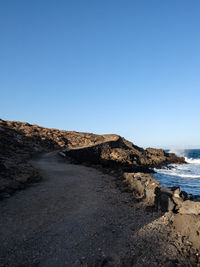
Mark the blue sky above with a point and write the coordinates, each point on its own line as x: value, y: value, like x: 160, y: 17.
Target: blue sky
x: 104, y: 66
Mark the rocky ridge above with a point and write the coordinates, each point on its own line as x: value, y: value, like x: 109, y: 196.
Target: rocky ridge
x: 118, y: 153
x: 131, y: 165
x: 20, y: 141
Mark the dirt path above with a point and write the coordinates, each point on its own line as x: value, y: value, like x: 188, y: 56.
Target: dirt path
x: 78, y: 217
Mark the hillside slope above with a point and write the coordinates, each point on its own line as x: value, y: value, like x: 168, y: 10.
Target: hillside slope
x: 20, y: 141
x: 122, y: 154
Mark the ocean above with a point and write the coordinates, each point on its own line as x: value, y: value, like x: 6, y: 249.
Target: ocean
x: 187, y: 176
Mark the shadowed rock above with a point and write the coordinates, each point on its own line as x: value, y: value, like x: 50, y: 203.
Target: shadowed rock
x: 144, y: 186
x: 122, y: 154
x: 20, y: 141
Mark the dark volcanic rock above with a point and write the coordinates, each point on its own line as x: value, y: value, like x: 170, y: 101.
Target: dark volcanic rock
x: 167, y: 199
x: 120, y: 153
x: 20, y: 141
x: 159, y: 158
x: 144, y: 186
x: 115, y: 153
x: 186, y: 212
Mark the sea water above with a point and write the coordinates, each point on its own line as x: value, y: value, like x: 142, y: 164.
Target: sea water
x: 187, y: 176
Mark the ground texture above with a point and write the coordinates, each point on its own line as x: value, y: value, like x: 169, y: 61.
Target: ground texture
x: 77, y: 216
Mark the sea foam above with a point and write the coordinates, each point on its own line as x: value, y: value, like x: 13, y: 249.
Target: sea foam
x: 187, y: 176
x: 192, y: 161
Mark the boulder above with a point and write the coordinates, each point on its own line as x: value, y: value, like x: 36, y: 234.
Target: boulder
x: 189, y: 225
x: 178, y: 202
x: 143, y: 185
x: 165, y: 202
x: 176, y: 192
x: 189, y: 207
x: 170, y: 198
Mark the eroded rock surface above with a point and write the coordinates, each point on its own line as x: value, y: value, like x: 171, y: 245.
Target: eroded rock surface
x: 122, y: 154
x: 144, y: 186
x: 185, y: 213
x: 20, y: 141
x: 189, y: 226
x: 190, y: 207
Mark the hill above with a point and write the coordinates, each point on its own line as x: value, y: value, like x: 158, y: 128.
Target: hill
x: 20, y: 141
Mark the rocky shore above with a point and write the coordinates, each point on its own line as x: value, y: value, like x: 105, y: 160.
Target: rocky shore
x: 129, y: 164
x: 79, y: 216
x: 19, y: 142
x: 148, y: 191
x: 118, y: 153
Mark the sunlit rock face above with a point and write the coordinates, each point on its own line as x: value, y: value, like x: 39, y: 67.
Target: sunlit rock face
x: 120, y: 153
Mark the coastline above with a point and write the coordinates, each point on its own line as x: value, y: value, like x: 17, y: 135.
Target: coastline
x: 86, y: 218
x: 130, y: 165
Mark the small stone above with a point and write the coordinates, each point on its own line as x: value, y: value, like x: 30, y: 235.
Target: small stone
x: 4, y: 195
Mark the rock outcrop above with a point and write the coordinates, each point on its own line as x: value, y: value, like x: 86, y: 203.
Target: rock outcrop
x: 122, y: 154
x: 187, y: 221
x: 159, y: 158
x: 146, y: 188
x: 186, y: 213
x: 20, y: 141
x: 189, y: 207
x: 188, y: 225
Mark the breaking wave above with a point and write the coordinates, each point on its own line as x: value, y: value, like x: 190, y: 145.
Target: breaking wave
x: 175, y: 173
x: 187, y: 176
x: 178, y: 151
x: 192, y: 161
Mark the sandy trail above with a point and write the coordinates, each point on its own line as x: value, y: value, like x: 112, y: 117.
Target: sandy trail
x: 78, y: 215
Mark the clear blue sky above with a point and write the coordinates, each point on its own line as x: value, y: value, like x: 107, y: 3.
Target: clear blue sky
x: 104, y: 66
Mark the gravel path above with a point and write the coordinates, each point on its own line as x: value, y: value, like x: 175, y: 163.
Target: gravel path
x: 77, y: 216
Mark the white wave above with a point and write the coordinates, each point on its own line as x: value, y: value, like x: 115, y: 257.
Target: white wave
x: 188, y: 176
x: 178, y: 151
x: 187, y: 171
x: 182, y: 153
x: 178, y: 174
x: 192, y: 161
